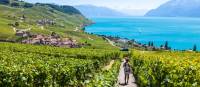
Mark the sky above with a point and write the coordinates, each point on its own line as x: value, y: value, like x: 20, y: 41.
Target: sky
x: 126, y: 6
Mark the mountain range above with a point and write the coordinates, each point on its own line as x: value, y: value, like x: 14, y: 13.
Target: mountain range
x: 177, y: 8
x: 95, y: 11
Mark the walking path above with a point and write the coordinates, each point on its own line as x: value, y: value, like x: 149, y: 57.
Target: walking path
x: 131, y: 82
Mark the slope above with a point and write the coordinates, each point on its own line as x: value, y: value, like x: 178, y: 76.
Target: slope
x: 44, y: 19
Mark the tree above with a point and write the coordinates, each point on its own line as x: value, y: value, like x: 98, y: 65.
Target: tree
x: 53, y: 34
x: 4, y: 1
x: 195, y: 47
x: 166, y: 45
x: 152, y: 44
x: 16, y: 24
x: 149, y: 43
x: 28, y: 5
x: 15, y: 4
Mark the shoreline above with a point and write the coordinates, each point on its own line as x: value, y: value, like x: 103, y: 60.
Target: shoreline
x: 123, y: 43
x: 138, y: 45
x: 140, y: 30
x: 112, y: 40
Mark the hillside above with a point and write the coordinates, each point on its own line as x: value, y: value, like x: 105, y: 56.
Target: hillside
x: 44, y: 19
x: 94, y: 11
x: 177, y: 8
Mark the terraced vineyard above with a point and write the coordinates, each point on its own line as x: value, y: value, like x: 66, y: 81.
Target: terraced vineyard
x: 166, y: 69
x: 38, y: 66
x: 44, y: 19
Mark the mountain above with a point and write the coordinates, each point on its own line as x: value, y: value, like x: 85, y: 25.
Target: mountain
x: 177, y: 8
x: 94, y: 11
x: 28, y: 15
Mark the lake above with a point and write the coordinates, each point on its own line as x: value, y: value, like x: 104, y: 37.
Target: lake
x: 181, y: 33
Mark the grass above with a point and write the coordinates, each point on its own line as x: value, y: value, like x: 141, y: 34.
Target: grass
x: 6, y: 32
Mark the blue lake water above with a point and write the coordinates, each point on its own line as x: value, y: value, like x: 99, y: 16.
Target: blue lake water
x: 181, y: 33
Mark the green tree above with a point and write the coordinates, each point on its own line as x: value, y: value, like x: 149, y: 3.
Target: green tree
x: 166, y: 45
x: 4, y: 1
x: 15, y: 4
x: 28, y: 5
x: 16, y: 24
x: 149, y: 43
x: 195, y: 47
x: 152, y: 44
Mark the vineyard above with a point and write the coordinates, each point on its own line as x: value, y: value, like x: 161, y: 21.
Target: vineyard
x: 23, y: 65
x: 166, y: 69
x: 106, y: 78
x: 38, y: 66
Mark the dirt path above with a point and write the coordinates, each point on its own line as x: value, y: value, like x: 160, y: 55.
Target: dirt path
x: 121, y: 78
x: 109, y: 66
x: 90, y: 38
x: 76, y: 29
x: 14, y: 29
x: 111, y: 42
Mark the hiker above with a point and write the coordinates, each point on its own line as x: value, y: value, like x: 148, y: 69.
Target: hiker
x: 127, y: 70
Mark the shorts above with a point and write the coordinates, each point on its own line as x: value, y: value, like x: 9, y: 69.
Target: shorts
x: 126, y: 73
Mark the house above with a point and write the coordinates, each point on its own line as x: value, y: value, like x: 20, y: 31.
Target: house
x: 22, y: 33
x: 45, y: 22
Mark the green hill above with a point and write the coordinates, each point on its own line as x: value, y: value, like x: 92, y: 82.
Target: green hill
x: 64, y: 20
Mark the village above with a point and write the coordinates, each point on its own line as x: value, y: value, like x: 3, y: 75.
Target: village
x: 39, y: 39
x: 52, y: 40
